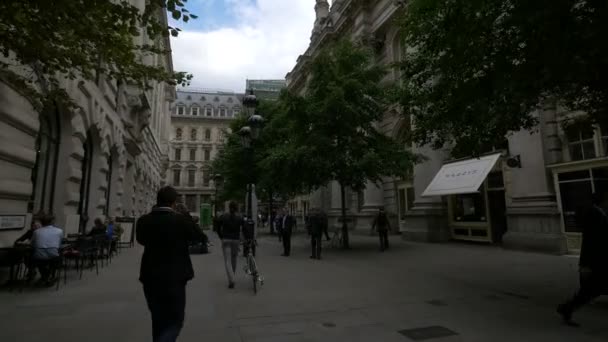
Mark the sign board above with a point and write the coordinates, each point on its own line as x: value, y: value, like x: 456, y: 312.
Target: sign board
x: 128, y: 229
x: 12, y: 222
x: 463, y: 177
x: 205, y: 216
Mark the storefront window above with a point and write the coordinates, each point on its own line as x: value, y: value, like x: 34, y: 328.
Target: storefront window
x: 470, y: 207
x: 581, y: 144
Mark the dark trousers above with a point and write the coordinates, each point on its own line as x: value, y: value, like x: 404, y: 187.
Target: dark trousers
x: 167, y: 304
x: 315, y: 242
x: 591, y: 286
x: 383, y: 234
x: 286, y: 241
x: 47, y: 268
x: 250, y: 244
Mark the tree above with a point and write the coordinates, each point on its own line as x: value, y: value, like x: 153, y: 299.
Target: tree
x: 337, y: 137
x: 474, y: 71
x: 234, y: 161
x: 84, y: 38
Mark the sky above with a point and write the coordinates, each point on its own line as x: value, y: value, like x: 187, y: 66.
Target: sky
x: 235, y: 40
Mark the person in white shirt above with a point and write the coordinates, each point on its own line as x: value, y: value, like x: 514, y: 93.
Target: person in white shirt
x: 46, y: 242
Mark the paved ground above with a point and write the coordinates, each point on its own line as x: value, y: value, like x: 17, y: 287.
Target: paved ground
x: 481, y: 293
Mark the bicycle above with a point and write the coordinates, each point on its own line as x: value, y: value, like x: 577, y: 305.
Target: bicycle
x: 251, y: 267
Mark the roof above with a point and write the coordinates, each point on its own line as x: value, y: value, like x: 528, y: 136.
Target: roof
x: 202, y: 99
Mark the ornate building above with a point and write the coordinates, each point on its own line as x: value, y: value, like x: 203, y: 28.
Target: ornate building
x: 266, y: 89
x: 199, y: 124
x: 522, y: 195
x: 103, y: 159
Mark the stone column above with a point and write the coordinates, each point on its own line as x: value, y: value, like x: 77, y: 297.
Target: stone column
x: 533, y: 218
x: 427, y: 221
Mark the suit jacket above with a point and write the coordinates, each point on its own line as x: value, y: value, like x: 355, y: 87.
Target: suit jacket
x: 290, y: 222
x: 317, y: 223
x: 166, y: 236
x: 594, y: 248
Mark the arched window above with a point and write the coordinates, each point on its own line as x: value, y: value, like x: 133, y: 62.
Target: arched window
x: 207, y: 134
x: 45, y: 169
x: 193, y: 134
x: 208, y: 111
x: 236, y: 111
x: 178, y: 134
x: 222, y: 111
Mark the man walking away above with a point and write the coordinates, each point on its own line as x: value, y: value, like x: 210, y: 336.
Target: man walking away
x: 287, y: 224
x: 383, y: 225
x: 230, y: 226
x: 593, y: 262
x: 317, y: 222
x: 165, y: 265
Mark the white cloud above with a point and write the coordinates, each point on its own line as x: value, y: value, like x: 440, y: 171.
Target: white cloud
x: 269, y: 37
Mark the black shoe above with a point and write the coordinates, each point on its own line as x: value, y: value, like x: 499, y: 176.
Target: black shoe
x: 566, y: 315
x: 313, y: 257
x: 231, y: 285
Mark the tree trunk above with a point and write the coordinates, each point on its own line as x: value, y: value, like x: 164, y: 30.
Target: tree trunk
x: 345, y: 243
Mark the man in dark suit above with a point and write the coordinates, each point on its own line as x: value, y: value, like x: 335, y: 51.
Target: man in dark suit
x: 165, y: 265
x: 287, y: 223
x: 593, y: 262
x: 316, y: 225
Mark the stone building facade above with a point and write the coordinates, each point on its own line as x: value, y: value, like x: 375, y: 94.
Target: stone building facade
x: 199, y: 125
x: 103, y: 159
x: 529, y: 189
x: 266, y: 89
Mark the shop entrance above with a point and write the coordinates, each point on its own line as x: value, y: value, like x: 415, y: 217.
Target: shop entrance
x: 480, y: 216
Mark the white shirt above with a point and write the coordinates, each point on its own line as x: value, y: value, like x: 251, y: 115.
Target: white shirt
x: 46, y: 242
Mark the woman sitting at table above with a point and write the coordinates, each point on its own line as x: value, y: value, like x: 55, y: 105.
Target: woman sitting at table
x: 46, y: 242
x: 99, y: 229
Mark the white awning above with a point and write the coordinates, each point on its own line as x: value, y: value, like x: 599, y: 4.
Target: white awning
x: 463, y: 177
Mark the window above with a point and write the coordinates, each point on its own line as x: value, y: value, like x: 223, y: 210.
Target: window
x: 178, y: 154
x: 206, y: 178
x: 181, y: 110
x: 191, y: 203
x: 406, y: 201
x: 222, y: 112
x: 230, y: 100
x: 604, y: 136
x: 470, y: 207
x: 207, y: 134
x: 192, y: 154
x: 207, y: 155
x: 236, y: 111
x: 191, y: 177
x: 188, y: 97
x: 208, y: 111
x: 177, y: 173
x: 580, y: 143
x: 203, y: 98
x: 194, y: 111
x: 220, y: 136
x: 178, y: 134
x: 216, y: 99
x: 193, y: 134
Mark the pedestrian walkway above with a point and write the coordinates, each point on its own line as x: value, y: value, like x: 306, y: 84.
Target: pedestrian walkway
x: 462, y: 292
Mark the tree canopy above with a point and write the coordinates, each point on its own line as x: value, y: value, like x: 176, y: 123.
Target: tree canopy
x: 474, y: 71
x: 83, y: 38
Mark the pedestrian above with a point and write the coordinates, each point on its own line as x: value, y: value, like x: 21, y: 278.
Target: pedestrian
x: 593, y: 262
x: 229, y: 228
x: 317, y: 223
x: 287, y: 224
x: 165, y: 265
x: 383, y: 225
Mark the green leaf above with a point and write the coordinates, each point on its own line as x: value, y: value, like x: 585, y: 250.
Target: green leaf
x: 174, y: 33
x: 176, y: 14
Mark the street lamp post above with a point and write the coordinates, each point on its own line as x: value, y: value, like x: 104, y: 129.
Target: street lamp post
x: 217, y: 181
x: 249, y: 134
